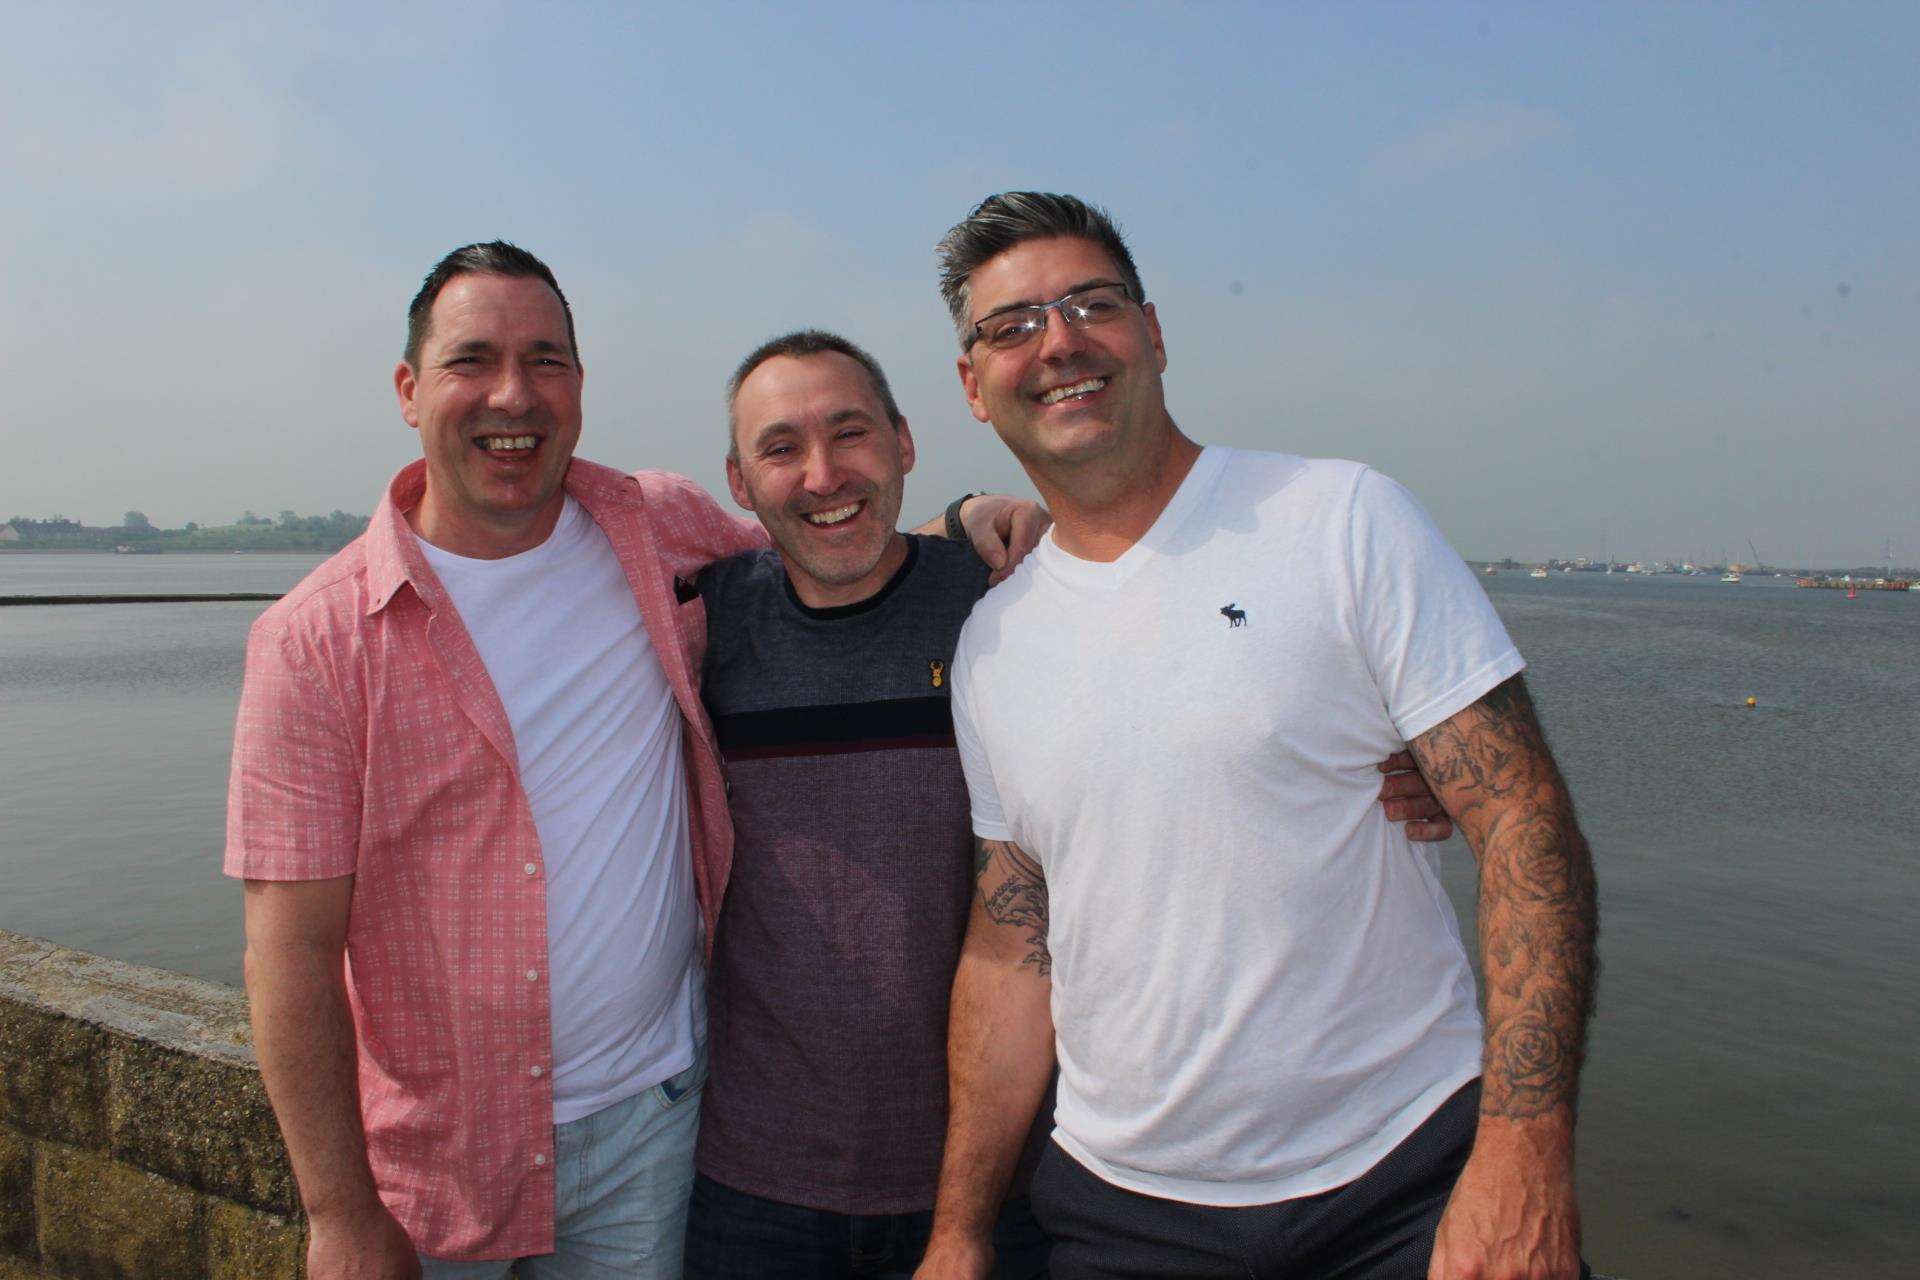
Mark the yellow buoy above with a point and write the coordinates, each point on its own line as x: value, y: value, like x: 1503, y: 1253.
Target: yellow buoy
x: 1753, y: 702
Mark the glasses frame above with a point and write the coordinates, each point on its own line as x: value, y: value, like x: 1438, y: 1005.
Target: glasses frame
x: 1040, y: 309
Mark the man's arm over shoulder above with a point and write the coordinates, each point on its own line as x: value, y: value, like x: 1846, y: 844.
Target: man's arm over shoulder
x: 1513, y: 1210
x: 692, y: 528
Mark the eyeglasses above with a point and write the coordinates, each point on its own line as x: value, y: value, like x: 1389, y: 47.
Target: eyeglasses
x: 1102, y: 304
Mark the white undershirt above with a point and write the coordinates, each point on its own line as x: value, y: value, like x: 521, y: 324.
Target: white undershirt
x: 598, y: 739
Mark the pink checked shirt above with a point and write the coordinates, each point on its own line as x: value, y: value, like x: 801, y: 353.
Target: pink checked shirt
x: 371, y: 743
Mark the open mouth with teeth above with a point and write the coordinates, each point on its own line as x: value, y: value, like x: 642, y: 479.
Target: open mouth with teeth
x: 507, y: 447
x: 834, y: 516
x: 1078, y: 391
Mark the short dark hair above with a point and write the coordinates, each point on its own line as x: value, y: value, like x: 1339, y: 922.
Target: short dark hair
x: 1011, y: 218
x: 809, y: 342
x: 494, y: 258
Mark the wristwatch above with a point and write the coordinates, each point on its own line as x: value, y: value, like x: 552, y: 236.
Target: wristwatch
x: 955, y: 530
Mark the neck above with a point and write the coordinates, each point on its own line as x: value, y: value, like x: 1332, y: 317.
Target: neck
x: 816, y: 594
x: 1101, y: 510
x: 469, y: 534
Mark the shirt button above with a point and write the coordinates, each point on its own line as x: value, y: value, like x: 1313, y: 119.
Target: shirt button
x: 533, y: 975
x: 536, y: 1073
x: 539, y: 1160
x: 531, y: 868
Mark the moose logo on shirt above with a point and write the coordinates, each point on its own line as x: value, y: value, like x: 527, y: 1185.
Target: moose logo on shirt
x: 938, y: 670
x: 1235, y: 617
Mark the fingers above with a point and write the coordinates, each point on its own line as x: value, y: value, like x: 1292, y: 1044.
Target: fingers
x: 1398, y: 762
x: 1429, y: 830
x: 984, y: 518
x: 1420, y: 808
x: 1397, y: 786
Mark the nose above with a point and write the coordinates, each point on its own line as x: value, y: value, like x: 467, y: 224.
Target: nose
x: 1060, y: 340
x: 512, y: 392
x: 821, y: 474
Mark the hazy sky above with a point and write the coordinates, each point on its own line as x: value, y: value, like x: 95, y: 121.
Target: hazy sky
x: 1569, y: 271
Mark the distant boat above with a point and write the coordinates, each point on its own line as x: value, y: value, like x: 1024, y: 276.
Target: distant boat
x: 1730, y: 576
x: 1489, y: 571
x: 1540, y: 572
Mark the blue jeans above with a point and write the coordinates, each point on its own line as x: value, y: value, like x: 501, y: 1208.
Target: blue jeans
x: 621, y: 1180
x: 734, y: 1236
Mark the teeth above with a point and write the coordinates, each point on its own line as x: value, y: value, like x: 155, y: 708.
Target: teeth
x: 495, y: 444
x: 834, y: 516
x: 1058, y: 394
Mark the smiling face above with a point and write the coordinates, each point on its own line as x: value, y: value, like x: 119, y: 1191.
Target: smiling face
x: 1068, y: 397
x: 821, y: 466
x: 496, y: 398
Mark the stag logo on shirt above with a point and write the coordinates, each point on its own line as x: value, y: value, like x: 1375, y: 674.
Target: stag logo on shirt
x: 938, y: 671
x: 1235, y: 617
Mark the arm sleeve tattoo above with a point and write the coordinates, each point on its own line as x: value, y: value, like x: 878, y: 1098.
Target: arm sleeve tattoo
x: 1538, y: 920
x: 1013, y: 893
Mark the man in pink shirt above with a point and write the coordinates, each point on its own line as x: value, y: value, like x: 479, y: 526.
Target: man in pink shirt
x: 483, y: 826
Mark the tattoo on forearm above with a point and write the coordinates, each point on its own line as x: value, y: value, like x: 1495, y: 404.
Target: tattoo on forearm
x: 1538, y: 919
x: 1013, y: 891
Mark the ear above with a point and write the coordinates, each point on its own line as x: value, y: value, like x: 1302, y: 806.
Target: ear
x: 906, y: 445
x: 404, y: 386
x: 1153, y: 334
x: 970, y: 384
x: 737, y: 485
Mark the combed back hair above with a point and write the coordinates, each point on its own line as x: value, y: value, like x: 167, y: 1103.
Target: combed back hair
x: 494, y: 258
x: 1012, y: 218
x: 808, y: 342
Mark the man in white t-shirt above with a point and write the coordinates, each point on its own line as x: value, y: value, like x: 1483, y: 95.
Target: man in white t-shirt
x: 1270, y: 1058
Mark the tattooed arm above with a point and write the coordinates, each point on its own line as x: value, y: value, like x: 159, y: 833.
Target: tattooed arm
x: 999, y: 1057
x: 1513, y: 1210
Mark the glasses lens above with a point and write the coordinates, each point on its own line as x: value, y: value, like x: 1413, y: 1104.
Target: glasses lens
x: 1011, y: 328
x: 1095, y: 306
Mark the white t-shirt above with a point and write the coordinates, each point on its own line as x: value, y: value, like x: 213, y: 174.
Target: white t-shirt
x: 1258, y: 983
x: 598, y: 738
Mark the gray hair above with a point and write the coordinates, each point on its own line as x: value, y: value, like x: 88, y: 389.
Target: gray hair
x: 808, y: 342
x: 1011, y: 218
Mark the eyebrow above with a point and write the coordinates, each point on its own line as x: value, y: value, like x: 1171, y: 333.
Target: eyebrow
x: 478, y: 346
x: 1095, y: 283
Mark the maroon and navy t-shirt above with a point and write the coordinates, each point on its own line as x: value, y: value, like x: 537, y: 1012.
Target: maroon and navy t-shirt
x: 851, y: 883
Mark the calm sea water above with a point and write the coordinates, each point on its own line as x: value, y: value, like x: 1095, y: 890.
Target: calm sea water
x: 1748, y: 1109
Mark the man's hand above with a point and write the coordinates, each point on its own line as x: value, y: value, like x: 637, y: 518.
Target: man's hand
x: 365, y: 1243
x: 1003, y: 530
x: 1405, y: 796
x: 955, y: 1259
x: 1512, y: 1215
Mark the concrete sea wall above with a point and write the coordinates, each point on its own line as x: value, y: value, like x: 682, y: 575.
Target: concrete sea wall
x: 136, y: 1142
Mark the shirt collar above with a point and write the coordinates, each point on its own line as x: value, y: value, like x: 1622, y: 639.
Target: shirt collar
x: 394, y: 558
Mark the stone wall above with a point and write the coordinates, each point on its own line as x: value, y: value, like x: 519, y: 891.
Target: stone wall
x: 136, y: 1142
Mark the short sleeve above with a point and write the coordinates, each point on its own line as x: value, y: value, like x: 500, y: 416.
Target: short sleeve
x: 1431, y: 636
x: 989, y: 819
x: 294, y: 790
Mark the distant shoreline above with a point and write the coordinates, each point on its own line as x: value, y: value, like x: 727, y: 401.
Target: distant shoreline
x: 14, y: 550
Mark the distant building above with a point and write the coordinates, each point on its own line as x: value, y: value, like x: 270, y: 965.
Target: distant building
x: 8, y: 533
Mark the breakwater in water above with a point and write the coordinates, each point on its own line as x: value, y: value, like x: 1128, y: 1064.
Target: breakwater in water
x: 136, y: 1140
